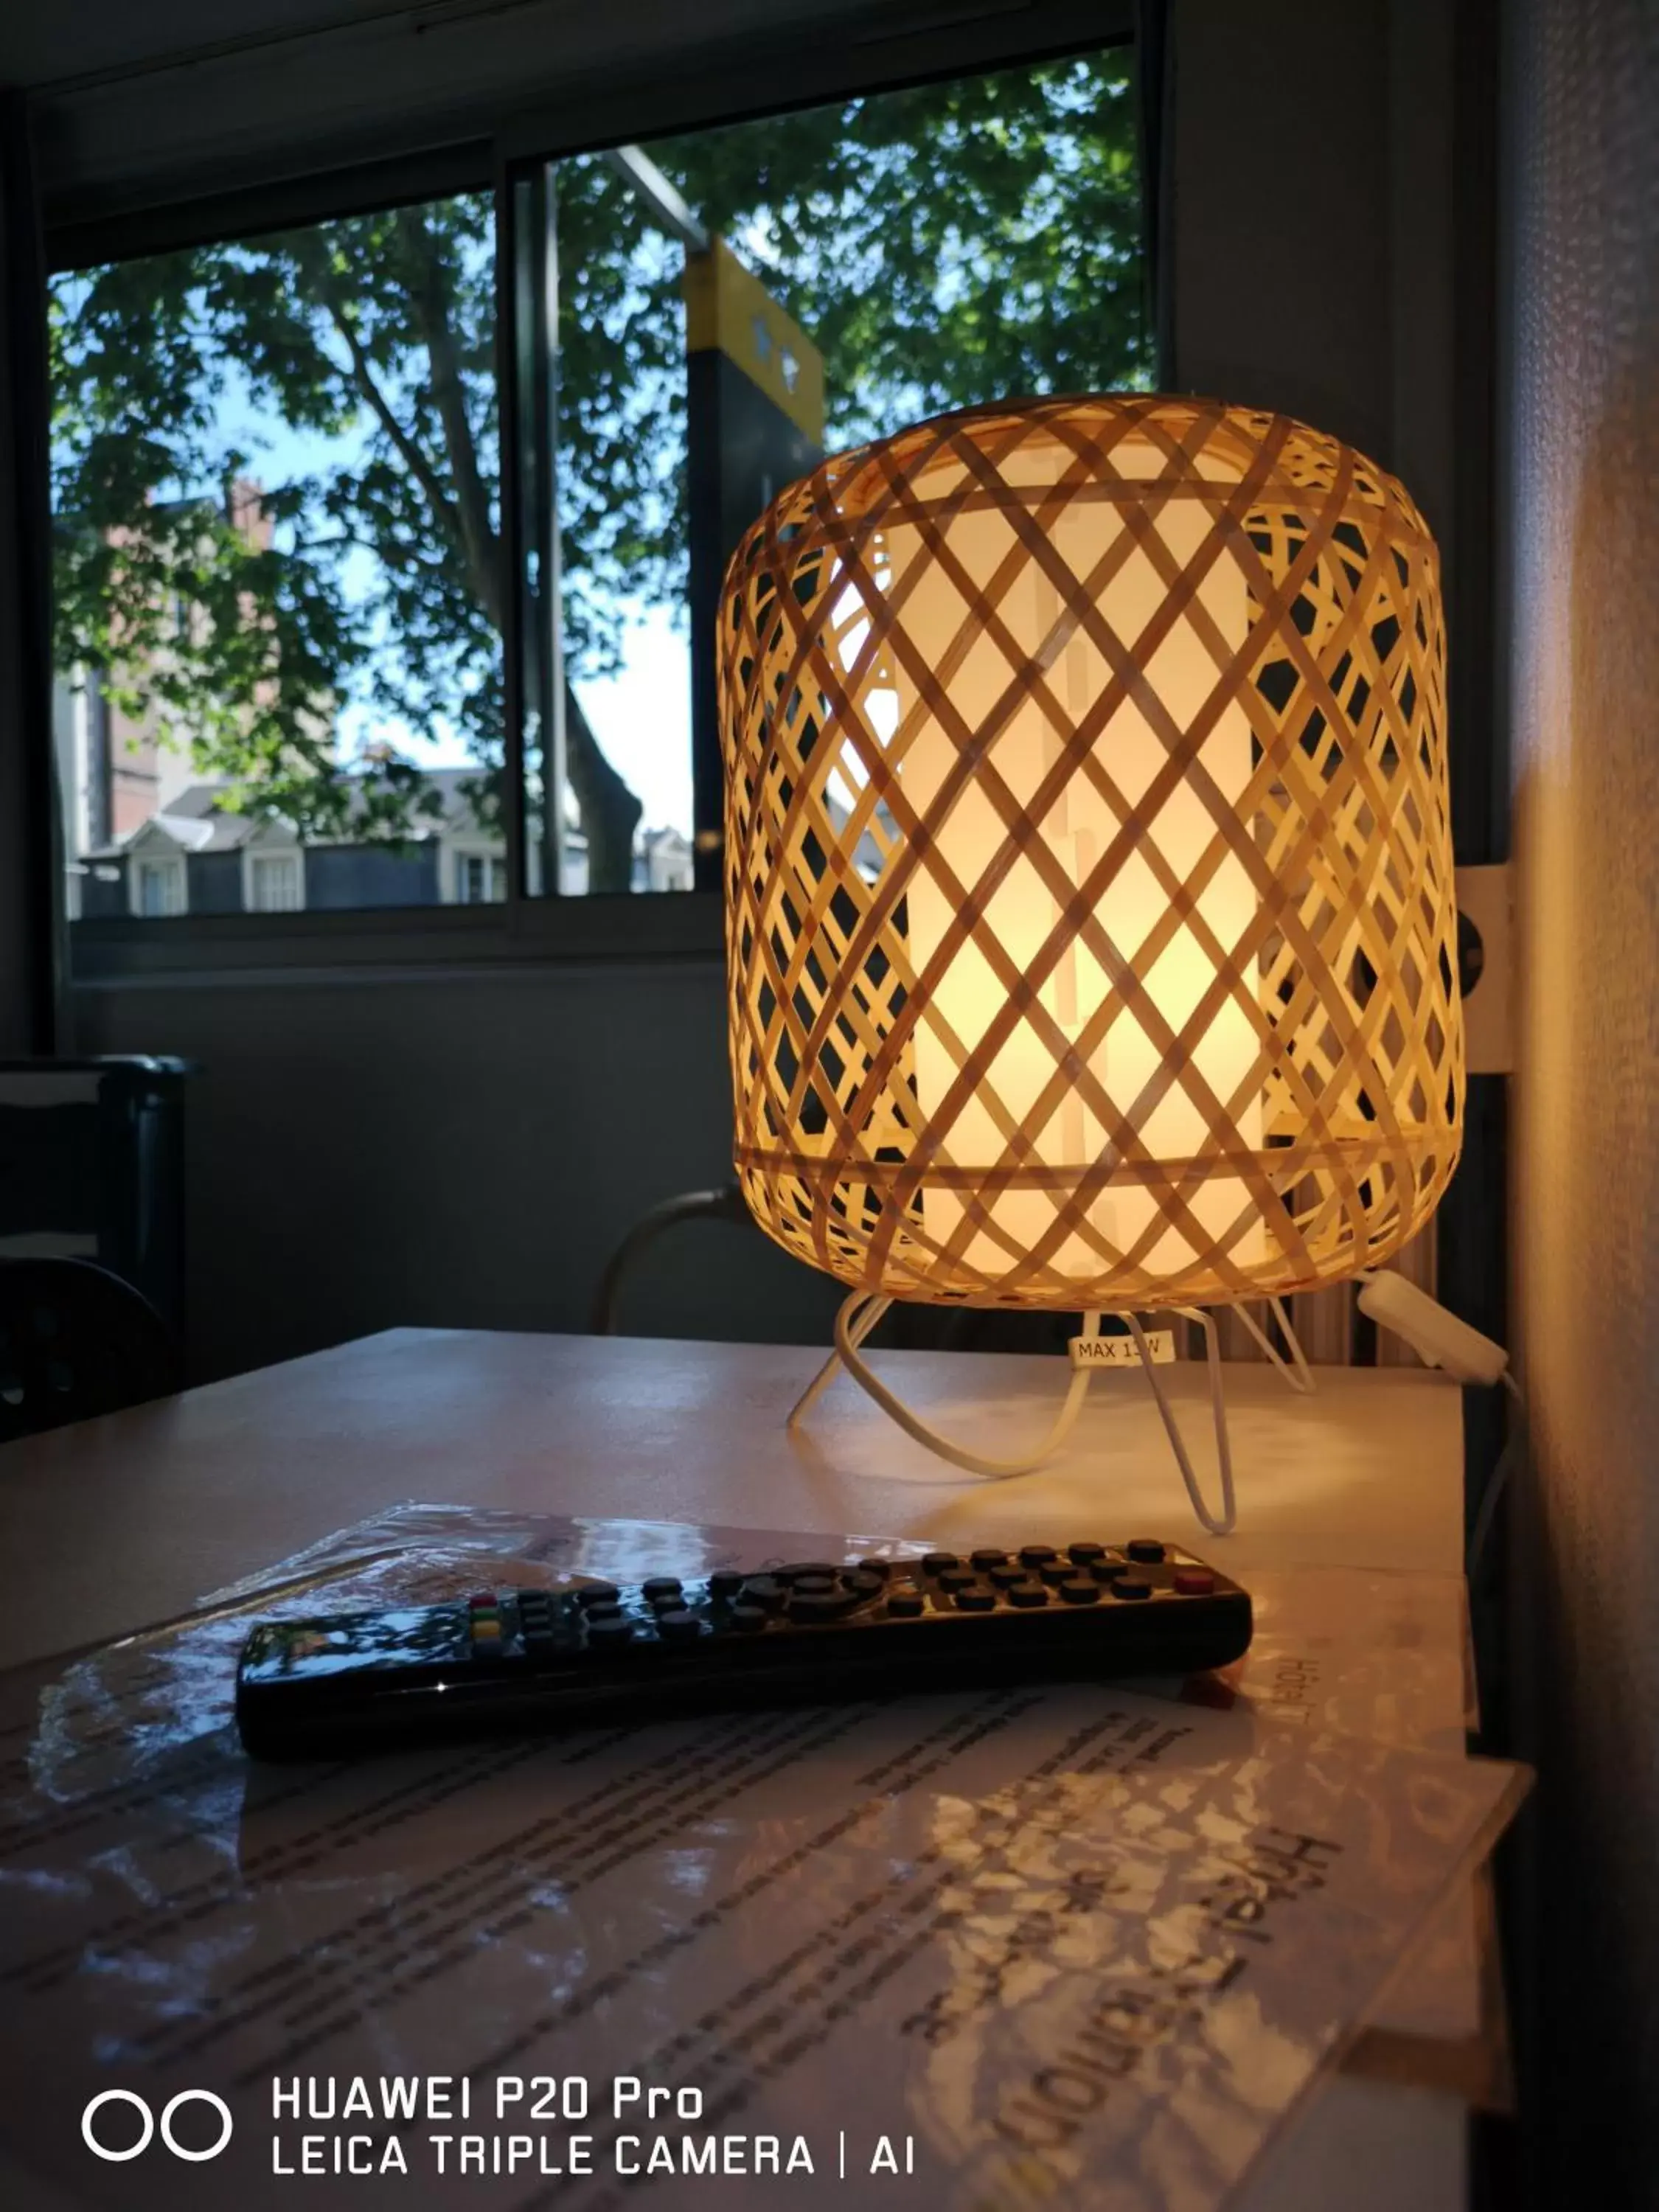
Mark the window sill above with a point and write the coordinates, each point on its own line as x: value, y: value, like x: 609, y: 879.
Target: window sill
x: 632, y: 927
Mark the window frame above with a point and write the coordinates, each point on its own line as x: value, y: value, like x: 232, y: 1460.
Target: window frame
x: 175, y: 868
x: 461, y: 856
x: 791, y: 74
x: 254, y: 859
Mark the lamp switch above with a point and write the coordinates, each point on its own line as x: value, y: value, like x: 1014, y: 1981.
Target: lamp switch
x: 1436, y: 1335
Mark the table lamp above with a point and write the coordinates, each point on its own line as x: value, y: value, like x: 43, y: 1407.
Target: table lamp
x: 1092, y: 940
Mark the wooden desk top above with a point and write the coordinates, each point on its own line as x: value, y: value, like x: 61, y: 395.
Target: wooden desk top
x: 114, y: 1523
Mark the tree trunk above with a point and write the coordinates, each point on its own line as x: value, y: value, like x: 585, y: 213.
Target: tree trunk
x: 609, y: 811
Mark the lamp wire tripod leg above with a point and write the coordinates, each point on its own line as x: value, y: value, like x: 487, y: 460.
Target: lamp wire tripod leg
x: 1221, y: 1524
x: 1297, y: 1373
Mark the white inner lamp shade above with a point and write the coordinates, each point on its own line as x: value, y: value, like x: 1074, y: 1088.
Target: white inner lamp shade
x: 979, y: 669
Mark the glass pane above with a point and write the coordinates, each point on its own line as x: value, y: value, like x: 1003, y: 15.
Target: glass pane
x: 847, y: 270
x: 278, y: 569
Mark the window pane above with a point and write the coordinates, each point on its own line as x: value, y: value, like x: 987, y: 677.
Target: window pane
x: 275, y: 882
x: 278, y: 569
x: 849, y: 269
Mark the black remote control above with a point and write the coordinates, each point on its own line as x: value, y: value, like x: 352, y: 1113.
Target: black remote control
x: 526, y: 1661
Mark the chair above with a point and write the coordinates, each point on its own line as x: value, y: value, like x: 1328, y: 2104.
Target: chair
x: 76, y: 1341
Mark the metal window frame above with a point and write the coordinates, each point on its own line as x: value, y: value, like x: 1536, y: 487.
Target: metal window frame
x: 789, y: 75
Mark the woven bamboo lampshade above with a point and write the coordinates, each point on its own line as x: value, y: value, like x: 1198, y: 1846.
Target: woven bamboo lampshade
x: 1091, y: 939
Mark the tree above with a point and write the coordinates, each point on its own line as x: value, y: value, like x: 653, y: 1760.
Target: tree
x: 941, y: 244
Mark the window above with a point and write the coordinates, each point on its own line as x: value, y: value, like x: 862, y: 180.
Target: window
x: 275, y: 882
x: 292, y: 601
x: 732, y: 305
x: 285, y: 599
x: 159, y: 888
x: 479, y: 879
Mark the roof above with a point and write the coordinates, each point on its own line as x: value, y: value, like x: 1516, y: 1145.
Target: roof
x: 194, y: 820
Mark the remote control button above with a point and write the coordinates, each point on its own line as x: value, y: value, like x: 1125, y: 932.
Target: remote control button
x: 748, y: 1617
x: 862, y: 1584
x: 661, y: 1586
x: 597, y: 1594
x: 1107, y: 1571
x: 936, y: 1562
x: 1008, y: 1574
x: 804, y: 1569
x: 1146, y: 1549
x: 765, y: 1590
x: 535, y: 1605
x: 814, y: 1585
x: 603, y: 1613
x: 882, y: 1567
x: 1054, y: 1571
x: 1131, y: 1586
x: 1078, y: 1592
x: 680, y: 1626
x: 976, y: 1601
x: 607, y: 1628
x: 987, y: 1559
x: 1035, y: 1554
x: 905, y: 1605
x: 1025, y: 1595
x: 956, y: 1578
x: 486, y: 1629
x: 820, y: 1608
x: 483, y: 1602
x: 1085, y: 1554
x: 1193, y: 1582
x: 726, y: 1585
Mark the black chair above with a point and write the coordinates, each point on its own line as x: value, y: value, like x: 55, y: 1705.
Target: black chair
x: 76, y: 1341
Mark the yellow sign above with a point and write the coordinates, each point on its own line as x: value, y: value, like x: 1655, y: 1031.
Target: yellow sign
x: 729, y: 310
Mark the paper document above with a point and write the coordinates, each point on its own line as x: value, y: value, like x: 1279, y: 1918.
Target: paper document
x: 1080, y: 1946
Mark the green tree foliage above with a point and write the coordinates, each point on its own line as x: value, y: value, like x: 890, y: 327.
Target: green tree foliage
x: 941, y: 244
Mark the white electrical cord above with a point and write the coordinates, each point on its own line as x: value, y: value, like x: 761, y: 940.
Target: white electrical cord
x: 1443, y: 1341
x: 1496, y: 1481
x: 858, y: 1317
x: 1438, y: 1336
x: 860, y: 1312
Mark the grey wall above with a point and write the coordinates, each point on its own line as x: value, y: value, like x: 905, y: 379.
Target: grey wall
x: 459, y: 1148
x: 1584, y: 473
x: 347, y: 876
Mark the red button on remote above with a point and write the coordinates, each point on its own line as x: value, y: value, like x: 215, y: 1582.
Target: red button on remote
x: 1193, y: 1582
x: 484, y: 1601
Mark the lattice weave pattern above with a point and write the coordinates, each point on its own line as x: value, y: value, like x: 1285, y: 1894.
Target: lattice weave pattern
x: 1091, y: 930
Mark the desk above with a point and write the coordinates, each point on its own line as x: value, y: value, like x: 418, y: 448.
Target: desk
x: 127, y: 1521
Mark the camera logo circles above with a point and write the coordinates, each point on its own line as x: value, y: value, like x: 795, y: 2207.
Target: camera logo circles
x: 89, y: 2135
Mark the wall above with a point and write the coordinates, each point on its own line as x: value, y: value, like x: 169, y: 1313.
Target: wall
x: 459, y: 1148
x: 1583, y: 470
